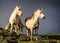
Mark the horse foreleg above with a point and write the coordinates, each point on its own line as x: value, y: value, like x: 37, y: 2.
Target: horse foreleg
x: 21, y: 32
x: 11, y: 28
x: 17, y: 29
x: 31, y: 34
x: 37, y: 32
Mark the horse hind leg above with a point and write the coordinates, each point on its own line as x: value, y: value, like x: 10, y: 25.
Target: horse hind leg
x: 36, y: 31
x: 11, y: 28
x: 8, y: 26
x: 21, y: 32
x: 27, y: 33
x: 18, y: 32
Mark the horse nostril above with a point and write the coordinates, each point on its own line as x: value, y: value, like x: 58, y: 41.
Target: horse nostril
x: 44, y: 17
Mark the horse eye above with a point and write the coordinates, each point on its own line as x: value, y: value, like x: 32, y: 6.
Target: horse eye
x: 40, y: 12
x: 19, y: 9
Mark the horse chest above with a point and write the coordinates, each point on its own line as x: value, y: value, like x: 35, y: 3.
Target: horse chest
x: 30, y: 24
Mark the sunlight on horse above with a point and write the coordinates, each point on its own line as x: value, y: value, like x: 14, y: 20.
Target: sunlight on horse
x: 30, y: 22
x: 14, y: 19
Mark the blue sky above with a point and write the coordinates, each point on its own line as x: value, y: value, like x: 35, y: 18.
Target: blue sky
x: 51, y: 25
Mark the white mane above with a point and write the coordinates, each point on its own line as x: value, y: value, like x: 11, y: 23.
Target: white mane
x: 13, y: 14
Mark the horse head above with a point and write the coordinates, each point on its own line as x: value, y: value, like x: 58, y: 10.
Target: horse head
x: 40, y: 13
x: 19, y: 11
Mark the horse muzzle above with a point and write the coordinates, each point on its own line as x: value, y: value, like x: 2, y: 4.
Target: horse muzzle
x: 44, y: 17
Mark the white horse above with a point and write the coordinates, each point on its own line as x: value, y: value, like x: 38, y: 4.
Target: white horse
x: 14, y: 19
x: 32, y: 22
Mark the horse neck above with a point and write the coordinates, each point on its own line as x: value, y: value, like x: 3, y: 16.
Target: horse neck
x: 35, y: 17
x: 14, y: 13
x: 17, y: 17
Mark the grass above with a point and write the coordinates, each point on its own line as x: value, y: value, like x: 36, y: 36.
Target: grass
x: 13, y: 38
x: 24, y: 39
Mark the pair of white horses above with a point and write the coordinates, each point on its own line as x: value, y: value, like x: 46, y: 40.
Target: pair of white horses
x: 31, y: 23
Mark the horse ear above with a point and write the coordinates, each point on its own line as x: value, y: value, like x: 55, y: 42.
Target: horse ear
x: 41, y: 9
x: 17, y: 6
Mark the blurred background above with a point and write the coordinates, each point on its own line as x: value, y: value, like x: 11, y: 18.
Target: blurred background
x: 51, y: 8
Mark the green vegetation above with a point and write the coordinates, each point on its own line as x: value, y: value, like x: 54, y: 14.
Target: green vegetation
x: 52, y: 36
x: 24, y: 39
x: 7, y: 37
